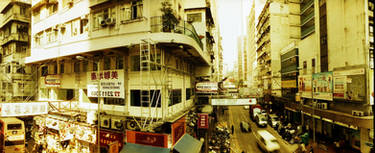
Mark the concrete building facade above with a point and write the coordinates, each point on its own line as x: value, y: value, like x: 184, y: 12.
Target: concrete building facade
x: 142, y: 66
x: 17, y: 79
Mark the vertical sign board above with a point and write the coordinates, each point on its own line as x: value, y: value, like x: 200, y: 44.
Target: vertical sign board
x: 203, y: 121
x: 304, y: 86
x: 146, y: 138
x: 114, y: 147
x: 323, y: 86
x: 111, y: 83
x: 178, y: 130
x: 52, y: 81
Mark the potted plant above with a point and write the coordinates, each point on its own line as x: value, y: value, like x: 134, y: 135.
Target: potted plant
x: 168, y: 18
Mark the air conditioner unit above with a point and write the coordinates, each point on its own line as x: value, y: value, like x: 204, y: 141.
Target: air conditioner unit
x: 103, y: 23
x: 105, y: 122
x: 131, y: 125
x: 117, y: 124
x: 110, y: 21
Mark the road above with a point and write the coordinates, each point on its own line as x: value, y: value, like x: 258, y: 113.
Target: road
x: 246, y: 141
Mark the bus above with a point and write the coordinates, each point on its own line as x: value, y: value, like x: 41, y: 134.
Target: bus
x: 12, y: 135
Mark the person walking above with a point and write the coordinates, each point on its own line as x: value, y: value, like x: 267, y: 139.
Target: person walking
x: 232, y: 129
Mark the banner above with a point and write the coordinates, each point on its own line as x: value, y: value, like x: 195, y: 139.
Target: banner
x: 349, y: 84
x: 111, y: 84
x: 146, y: 138
x: 203, y: 121
x: 178, y: 130
x: 52, y: 81
x: 23, y: 109
x: 339, y: 88
x: 230, y: 102
x: 304, y: 86
x: 207, y: 87
x: 109, y: 137
x: 322, y: 86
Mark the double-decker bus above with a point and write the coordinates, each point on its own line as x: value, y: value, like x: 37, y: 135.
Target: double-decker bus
x: 12, y: 135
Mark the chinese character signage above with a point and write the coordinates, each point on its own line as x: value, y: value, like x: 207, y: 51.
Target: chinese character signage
x: 322, y: 86
x: 146, y: 138
x: 339, y: 87
x: 304, y: 86
x: 230, y: 102
x: 108, y: 137
x: 23, y: 109
x: 111, y: 83
x: 178, y: 130
x: 52, y: 81
x: 203, y: 121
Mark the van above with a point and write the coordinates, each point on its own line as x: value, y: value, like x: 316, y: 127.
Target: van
x: 261, y: 120
x: 12, y: 135
x: 267, y: 142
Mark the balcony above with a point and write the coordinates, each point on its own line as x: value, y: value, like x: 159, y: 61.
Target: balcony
x: 14, y: 16
x: 37, y: 3
x: 8, y: 3
x: 15, y: 37
x: 183, y: 27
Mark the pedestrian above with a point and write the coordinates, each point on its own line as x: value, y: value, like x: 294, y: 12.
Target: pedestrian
x: 232, y: 129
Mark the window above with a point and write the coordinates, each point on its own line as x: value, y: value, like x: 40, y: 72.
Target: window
x: 119, y: 62
x: 94, y: 66
x: 157, y: 61
x: 44, y: 71
x: 194, y: 17
x: 135, y: 98
x: 83, y: 26
x: 84, y: 66
x: 75, y: 26
x: 136, y: 9
x: 62, y: 67
x: 307, y: 18
x: 54, y: 68
x: 125, y: 12
x: 188, y: 93
x: 175, y: 97
x: 22, y: 10
x: 14, y: 126
x: 21, y: 70
x: 114, y: 101
x: 135, y: 65
x: 100, y: 16
x: 107, y: 63
x: 65, y: 94
x: 52, y: 8
x: 77, y: 66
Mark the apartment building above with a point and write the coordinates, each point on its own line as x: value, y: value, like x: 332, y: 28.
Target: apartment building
x: 16, y: 80
x: 251, y: 48
x: 202, y: 15
x: 333, y: 63
x: 240, y: 59
x: 274, y: 31
x: 128, y: 56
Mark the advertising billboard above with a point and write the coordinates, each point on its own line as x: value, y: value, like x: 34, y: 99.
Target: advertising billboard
x: 23, y: 109
x: 178, y: 130
x: 349, y: 84
x: 323, y: 86
x: 111, y: 84
x: 305, y: 86
x: 203, y: 121
x: 147, y: 138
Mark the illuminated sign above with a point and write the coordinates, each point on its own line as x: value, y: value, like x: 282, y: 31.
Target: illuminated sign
x: 23, y: 109
x: 111, y: 84
x: 229, y: 102
x: 203, y: 121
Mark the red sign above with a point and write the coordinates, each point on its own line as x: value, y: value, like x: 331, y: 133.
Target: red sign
x: 178, y: 130
x: 108, y: 137
x: 203, y: 121
x: 145, y: 138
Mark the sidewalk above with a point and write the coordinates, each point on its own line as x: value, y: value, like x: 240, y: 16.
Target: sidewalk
x: 330, y: 148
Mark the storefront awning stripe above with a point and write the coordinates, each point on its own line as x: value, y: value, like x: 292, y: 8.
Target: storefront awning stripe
x: 188, y: 144
x: 137, y: 148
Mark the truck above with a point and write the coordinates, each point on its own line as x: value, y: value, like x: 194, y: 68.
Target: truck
x: 254, y: 111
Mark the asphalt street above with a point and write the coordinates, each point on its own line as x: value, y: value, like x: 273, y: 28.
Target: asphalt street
x: 245, y: 141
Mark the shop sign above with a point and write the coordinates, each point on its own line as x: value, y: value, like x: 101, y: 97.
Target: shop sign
x: 52, y: 81
x: 108, y: 137
x: 339, y: 88
x: 67, y: 130
x: 289, y: 84
x: 349, y: 84
x: 206, y: 87
x: 111, y: 83
x: 146, y: 138
x: 178, y: 130
x: 23, y: 109
x: 202, y: 121
x: 85, y: 133
x: 322, y: 86
x: 304, y: 86
x: 229, y: 102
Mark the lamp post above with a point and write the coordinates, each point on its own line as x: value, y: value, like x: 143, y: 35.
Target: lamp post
x: 98, y: 94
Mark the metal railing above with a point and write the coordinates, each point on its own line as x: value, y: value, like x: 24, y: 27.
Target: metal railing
x: 183, y: 27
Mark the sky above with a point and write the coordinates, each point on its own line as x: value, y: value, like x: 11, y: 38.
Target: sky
x: 230, y: 14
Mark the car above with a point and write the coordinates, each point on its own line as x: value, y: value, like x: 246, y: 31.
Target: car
x: 245, y: 127
x: 246, y: 107
x: 261, y: 120
x: 266, y: 141
x: 273, y: 120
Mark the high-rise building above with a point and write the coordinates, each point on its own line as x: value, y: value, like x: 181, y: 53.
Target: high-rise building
x: 251, y: 48
x: 17, y: 79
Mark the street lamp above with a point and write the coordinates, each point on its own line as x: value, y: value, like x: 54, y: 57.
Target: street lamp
x: 81, y: 58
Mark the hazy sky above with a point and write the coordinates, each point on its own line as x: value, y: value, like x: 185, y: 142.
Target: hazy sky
x: 230, y: 13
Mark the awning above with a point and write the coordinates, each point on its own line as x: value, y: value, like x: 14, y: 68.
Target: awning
x: 132, y: 148
x: 188, y: 144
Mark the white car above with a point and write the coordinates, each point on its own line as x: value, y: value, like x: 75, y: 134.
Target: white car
x: 266, y: 141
